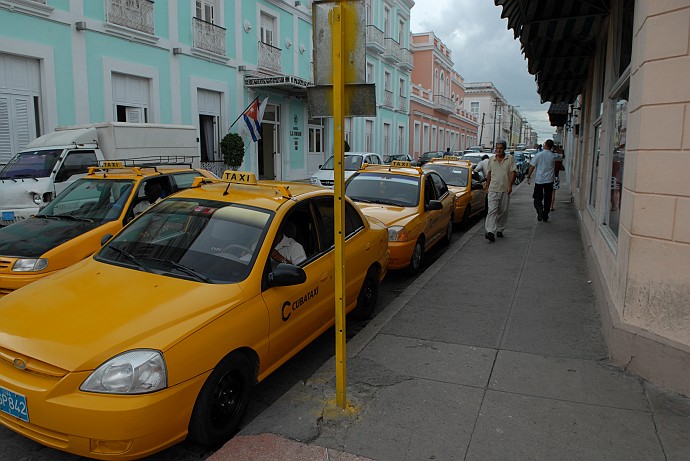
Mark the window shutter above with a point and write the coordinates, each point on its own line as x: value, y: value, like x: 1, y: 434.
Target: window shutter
x: 5, y: 141
x: 22, y: 117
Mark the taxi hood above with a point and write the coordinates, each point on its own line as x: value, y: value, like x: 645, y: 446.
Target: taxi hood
x: 390, y: 215
x: 34, y: 237
x: 81, y: 317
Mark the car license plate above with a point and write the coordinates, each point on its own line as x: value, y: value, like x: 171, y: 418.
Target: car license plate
x: 13, y: 404
x: 8, y: 215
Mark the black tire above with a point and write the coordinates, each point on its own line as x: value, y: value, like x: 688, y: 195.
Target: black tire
x: 417, y: 258
x: 222, y: 402
x: 486, y: 206
x: 449, y: 233
x: 368, y: 294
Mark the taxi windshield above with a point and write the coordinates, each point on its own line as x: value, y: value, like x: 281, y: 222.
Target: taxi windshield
x: 202, y: 240
x: 94, y: 200
x: 351, y: 163
x: 452, y: 175
x: 384, y: 188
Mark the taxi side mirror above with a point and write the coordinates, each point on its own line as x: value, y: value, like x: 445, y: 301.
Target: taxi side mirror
x: 285, y: 275
x: 433, y: 205
x: 105, y: 238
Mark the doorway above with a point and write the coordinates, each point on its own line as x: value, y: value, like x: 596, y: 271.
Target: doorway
x: 270, y: 161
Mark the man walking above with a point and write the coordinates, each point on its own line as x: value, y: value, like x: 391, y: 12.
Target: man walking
x: 500, y: 185
x: 543, y: 163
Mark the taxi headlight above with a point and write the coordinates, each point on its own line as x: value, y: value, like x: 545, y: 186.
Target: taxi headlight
x: 134, y: 372
x: 30, y: 265
x: 36, y: 198
x: 397, y: 234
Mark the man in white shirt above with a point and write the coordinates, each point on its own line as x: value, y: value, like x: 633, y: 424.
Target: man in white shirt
x: 288, y: 250
x: 152, y: 191
x: 543, y: 163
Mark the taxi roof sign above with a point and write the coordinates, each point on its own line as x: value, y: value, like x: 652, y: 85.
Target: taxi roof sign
x: 401, y: 163
x: 451, y: 157
x: 239, y: 177
x: 113, y: 164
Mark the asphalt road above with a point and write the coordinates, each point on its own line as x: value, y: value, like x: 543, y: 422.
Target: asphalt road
x: 299, y: 368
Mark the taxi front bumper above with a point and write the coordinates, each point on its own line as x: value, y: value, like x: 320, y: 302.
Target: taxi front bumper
x: 100, y: 426
x: 400, y: 254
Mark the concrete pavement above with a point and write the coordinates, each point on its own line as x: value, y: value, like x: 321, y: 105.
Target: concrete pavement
x: 494, y: 353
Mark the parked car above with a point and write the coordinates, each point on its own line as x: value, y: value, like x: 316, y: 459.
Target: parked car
x: 416, y: 206
x: 427, y: 156
x: 162, y: 334
x: 70, y: 228
x: 466, y: 184
x: 353, y: 162
x: 521, y: 165
x: 473, y: 158
x: 387, y: 159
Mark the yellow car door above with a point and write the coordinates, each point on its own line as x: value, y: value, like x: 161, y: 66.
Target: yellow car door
x: 299, y: 313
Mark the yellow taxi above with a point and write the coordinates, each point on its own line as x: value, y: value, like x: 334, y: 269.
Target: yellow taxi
x: 162, y: 333
x: 70, y: 228
x: 465, y: 183
x: 415, y: 205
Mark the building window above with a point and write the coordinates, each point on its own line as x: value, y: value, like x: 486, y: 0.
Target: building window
x: 401, y: 32
x: 386, y: 139
x: 206, y: 10
x: 595, y: 167
x: 387, y: 81
x: 347, y: 130
x: 401, y: 139
x: 417, y: 136
x: 131, y: 97
x: 267, y: 28
x: 370, y: 73
x: 402, y: 87
x: 474, y: 108
x: 386, y: 22
x: 368, y: 135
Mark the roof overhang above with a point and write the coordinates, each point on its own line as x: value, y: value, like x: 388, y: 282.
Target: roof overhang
x: 558, y: 39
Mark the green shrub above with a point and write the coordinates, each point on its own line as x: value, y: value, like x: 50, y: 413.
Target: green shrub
x: 232, y: 149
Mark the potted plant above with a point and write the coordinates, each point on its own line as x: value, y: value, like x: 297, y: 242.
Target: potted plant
x: 232, y: 150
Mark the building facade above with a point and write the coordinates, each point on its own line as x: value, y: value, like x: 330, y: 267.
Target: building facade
x: 490, y: 107
x: 192, y: 62
x: 438, y: 119
x: 627, y: 139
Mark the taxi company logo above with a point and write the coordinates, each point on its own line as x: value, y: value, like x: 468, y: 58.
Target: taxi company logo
x: 288, y: 306
x: 19, y: 363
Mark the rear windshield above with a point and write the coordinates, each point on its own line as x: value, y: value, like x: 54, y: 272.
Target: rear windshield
x: 452, y: 175
x: 33, y: 164
x: 352, y: 163
x: 384, y: 188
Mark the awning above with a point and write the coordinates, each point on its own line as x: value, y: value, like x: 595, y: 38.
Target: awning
x: 558, y: 38
x: 558, y: 113
x: 289, y: 84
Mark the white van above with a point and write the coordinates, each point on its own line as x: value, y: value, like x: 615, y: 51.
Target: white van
x: 353, y: 162
x: 47, y: 165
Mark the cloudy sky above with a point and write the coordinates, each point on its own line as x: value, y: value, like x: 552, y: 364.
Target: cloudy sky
x: 483, y: 49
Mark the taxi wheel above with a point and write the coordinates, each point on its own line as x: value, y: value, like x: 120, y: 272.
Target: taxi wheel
x: 366, y: 301
x: 222, y: 401
x: 417, y: 258
x: 466, y: 217
x: 449, y: 232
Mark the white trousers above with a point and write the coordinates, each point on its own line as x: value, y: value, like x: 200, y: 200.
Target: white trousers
x: 497, y: 215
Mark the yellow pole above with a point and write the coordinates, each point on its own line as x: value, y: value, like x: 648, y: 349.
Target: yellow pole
x: 339, y: 203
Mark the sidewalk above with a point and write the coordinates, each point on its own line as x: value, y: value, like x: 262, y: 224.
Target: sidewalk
x: 494, y: 353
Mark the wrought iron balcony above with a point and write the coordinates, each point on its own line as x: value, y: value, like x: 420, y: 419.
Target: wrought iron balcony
x: 388, y: 99
x: 209, y: 37
x: 375, y: 39
x: 133, y: 14
x: 443, y: 104
x: 269, y: 57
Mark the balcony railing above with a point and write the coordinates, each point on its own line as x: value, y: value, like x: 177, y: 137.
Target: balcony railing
x: 269, y: 57
x: 133, y: 14
x: 388, y: 98
x: 209, y: 37
x: 402, y: 104
x: 406, y: 60
x: 392, y: 52
x: 443, y: 104
x: 375, y: 39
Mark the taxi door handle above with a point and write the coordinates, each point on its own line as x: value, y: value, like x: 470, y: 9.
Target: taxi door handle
x: 325, y: 276
x: 367, y: 246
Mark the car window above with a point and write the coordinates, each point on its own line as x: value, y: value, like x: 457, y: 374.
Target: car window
x: 429, y: 191
x: 384, y: 188
x: 76, y: 162
x: 97, y: 200
x: 440, y: 186
x: 353, y: 221
x: 184, y: 180
x: 202, y: 240
x: 452, y: 175
x: 326, y: 220
x: 305, y: 229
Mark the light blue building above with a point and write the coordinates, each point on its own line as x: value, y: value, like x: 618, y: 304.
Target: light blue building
x: 192, y: 62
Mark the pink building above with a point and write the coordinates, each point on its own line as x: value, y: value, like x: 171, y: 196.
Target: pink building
x: 438, y: 119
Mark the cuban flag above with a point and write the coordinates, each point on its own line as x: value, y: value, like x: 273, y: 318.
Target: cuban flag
x: 251, y: 118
